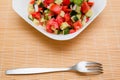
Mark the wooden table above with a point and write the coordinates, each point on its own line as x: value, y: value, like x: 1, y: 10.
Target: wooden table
x: 23, y: 46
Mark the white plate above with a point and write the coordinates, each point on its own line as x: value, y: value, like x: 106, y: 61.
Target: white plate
x: 20, y: 6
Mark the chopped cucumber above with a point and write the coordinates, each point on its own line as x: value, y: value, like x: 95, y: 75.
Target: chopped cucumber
x: 78, y: 16
x: 66, y: 31
x: 46, y: 11
x: 84, y: 20
x: 89, y: 13
x: 58, y: 2
x: 42, y: 19
x: 74, y: 18
x: 57, y: 31
x: 30, y: 17
x: 64, y: 25
x: 62, y: 13
x: 73, y: 12
x: 78, y: 9
x: 36, y: 22
x: 31, y: 8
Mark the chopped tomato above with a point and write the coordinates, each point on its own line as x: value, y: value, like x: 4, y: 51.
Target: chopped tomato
x: 48, y: 29
x: 47, y: 2
x: 55, y: 8
x: 72, y: 31
x: 40, y: 9
x: 67, y: 17
x: 55, y: 25
x: 32, y: 1
x: 90, y: 3
x: 52, y: 23
x: 66, y: 9
x: 59, y: 20
x: 70, y: 22
x: 85, y: 7
x: 36, y: 15
x: 77, y: 25
x: 66, y: 2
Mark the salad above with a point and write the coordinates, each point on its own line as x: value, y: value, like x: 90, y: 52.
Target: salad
x: 60, y: 16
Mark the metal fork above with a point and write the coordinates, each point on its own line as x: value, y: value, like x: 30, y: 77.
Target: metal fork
x: 85, y: 67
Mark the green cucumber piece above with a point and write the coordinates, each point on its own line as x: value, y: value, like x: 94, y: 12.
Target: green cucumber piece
x: 74, y: 18
x: 30, y: 17
x: 89, y: 13
x: 73, y: 12
x: 66, y: 31
x: 64, y: 25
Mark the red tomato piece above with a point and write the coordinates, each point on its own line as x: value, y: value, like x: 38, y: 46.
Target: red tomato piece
x: 59, y: 20
x: 67, y: 17
x: 40, y: 9
x: 90, y: 4
x: 48, y: 29
x: 77, y: 25
x: 66, y: 9
x: 55, y: 8
x: 72, y: 31
x: 32, y: 1
x: 52, y: 23
x: 70, y: 22
x: 85, y: 7
x: 55, y: 25
x: 36, y: 15
x: 47, y: 2
x: 66, y: 2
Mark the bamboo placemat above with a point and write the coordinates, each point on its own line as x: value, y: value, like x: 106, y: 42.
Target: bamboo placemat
x: 23, y: 46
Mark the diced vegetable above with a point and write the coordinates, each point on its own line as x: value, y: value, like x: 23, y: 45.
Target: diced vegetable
x: 38, y: 2
x: 36, y: 22
x: 36, y: 15
x: 72, y: 31
x: 62, y: 13
x: 66, y: 2
x: 55, y: 8
x: 77, y: 9
x: 85, y: 7
x: 67, y: 17
x: 30, y: 17
x: 77, y: 25
x: 58, y: 1
x: 89, y: 13
x: 90, y: 3
x: 42, y: 19
x: 66, y: 31
x: 74, y: 18
x: 73, y: 13
x: 59, y: 20
x: 78, y: 16
x: 64, y: 25
x: 31, y: 8
x: 32, y: 1
x: 78, y: 2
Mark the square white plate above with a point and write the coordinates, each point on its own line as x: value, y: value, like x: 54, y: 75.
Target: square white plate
x: 20, y: 6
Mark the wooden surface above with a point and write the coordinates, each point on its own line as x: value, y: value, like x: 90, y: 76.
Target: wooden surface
x: 23, y: 46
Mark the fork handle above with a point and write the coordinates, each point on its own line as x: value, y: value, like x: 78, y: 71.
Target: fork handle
x: 35, y: 70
